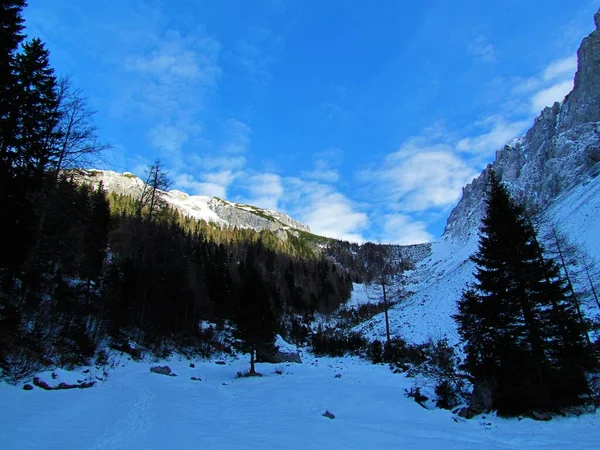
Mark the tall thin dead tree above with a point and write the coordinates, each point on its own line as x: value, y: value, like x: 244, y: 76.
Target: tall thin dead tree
x: 381, y: 271
x: 156, y: 182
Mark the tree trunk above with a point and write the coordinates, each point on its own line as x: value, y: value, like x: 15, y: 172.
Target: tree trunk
x: 252, y: 370
x: 386, y: 307
x: 587, y: 272
x: 572, y: 290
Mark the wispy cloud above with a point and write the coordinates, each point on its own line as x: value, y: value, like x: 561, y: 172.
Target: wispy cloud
x: 173, y: 76
x: 419, y: 176
x: 481, y: 49
x: 255, y: 53
x: 264, y: 190
x: 547, y: 97
x: 189, y: 184
x: 404, y: 230
x: 427, y: 173
x: 322, y: 171
x: 327, y: 211
x: 496, y: 132
x: 560, y: 68
x: 551, y: 85
x: 215, y: 174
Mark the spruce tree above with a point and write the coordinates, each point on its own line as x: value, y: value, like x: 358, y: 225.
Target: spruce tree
x: 11, y: 36
x: 39, y: 114
x: 521, y: 332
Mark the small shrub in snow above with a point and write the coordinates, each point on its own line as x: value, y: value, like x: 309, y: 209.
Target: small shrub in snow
x: 415, y: 393
x: 401, y: 355
x: 375, y: 352
x: 331, y: 342
x: 447, y: 397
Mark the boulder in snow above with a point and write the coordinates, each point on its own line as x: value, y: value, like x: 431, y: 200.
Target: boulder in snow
x: 280, y: 352
x: 62, y: 379
x: 163, y: 370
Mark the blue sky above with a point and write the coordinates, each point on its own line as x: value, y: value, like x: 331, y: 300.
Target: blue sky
x: 362, y: 119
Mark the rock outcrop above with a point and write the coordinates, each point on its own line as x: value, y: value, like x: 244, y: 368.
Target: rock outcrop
x: 561, y: 149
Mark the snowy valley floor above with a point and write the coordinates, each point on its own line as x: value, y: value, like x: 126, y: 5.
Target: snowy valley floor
x: 136, y: 409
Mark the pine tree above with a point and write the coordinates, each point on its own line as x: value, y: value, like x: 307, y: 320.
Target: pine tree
x: 39, y: 113
x: 521, y: 332
x: 11, y: 36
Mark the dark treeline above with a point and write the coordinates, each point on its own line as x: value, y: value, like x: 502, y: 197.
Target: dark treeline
x: 80, y: 269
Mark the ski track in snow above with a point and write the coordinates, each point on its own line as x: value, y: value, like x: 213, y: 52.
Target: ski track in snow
x: 135, y: 409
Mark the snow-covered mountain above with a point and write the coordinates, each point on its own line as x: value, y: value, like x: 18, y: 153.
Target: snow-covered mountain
x: 210, y: 209
x: 552, y: 169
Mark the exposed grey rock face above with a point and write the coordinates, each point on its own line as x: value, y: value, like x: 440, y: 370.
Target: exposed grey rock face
x: 211, y: 209
x: 561, y: 149
x: 247, y: 216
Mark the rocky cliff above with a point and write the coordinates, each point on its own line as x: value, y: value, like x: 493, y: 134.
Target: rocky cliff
x: 561, y: 149
x: 210, y: 209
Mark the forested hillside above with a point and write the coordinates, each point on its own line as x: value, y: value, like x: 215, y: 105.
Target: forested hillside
x: 81, y: 269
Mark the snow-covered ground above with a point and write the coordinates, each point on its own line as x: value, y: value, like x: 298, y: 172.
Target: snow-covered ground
x: 136, y: 409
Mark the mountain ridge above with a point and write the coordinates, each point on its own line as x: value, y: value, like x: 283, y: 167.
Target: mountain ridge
x: 561, y: 148
x: 210, y: 209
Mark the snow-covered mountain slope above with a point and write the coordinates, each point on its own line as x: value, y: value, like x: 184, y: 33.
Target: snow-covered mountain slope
x: 440, y: 279
x: 553, y: 170
x: 210, y: 209
x: 136, y: 409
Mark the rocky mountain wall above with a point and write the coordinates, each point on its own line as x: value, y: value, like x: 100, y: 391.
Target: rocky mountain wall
x: 561, y: 149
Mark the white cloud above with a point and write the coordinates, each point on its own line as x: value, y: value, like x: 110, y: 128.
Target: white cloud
x: 322, y: 172
x: 420, y: 176
x: 254, y: 53
x: 265, y: 190
x: 216, y: 174
x: 167, y: 137
x: 326, y: 211
x: 238, y: 136
x: 403, y: 230
x: 172, y: 79
x: 188, y: 183
x: 211, y: 184
x: 481, y: 49
x: 209, y: 163
x: 547, y: 97
x: 178, y: 59
x: 487, y: 142
x: 561, y: 68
